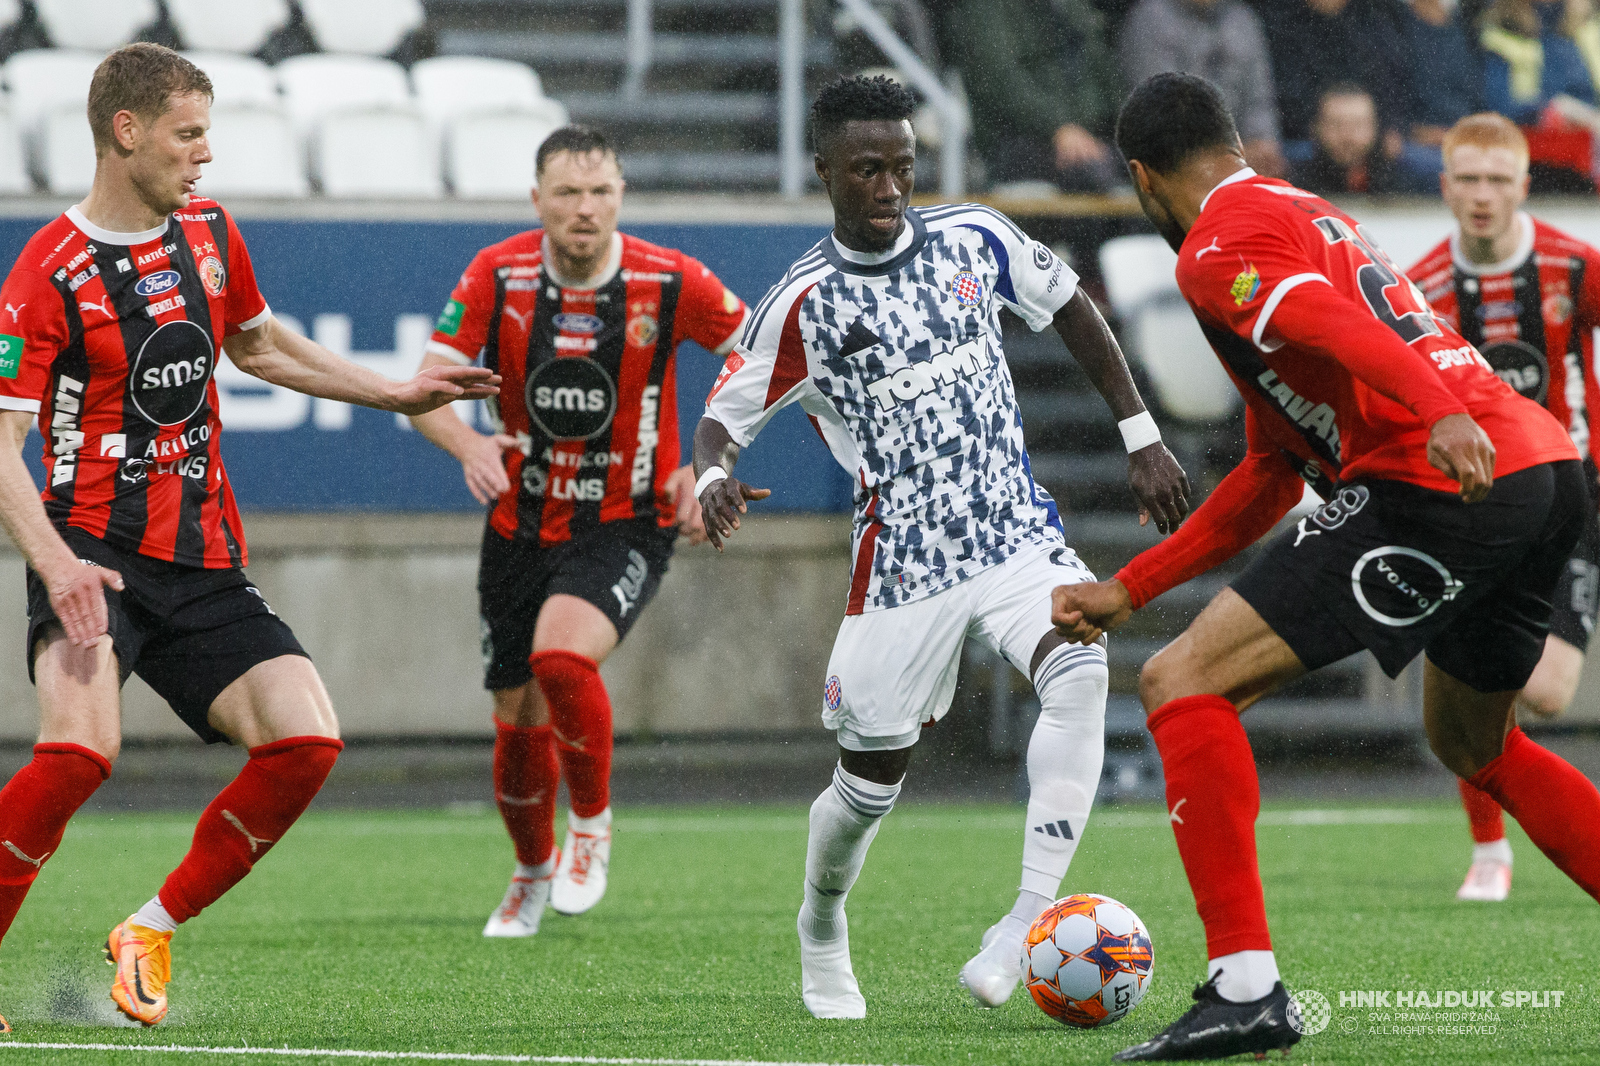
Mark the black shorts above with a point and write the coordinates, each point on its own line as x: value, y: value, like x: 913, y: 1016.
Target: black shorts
x: 187, y: 632
x: 1399, y: 569
x: 1577, y: 598
x: 616, y: 566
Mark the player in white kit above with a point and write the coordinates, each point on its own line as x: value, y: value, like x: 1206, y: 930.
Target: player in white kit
x: 887, y: 334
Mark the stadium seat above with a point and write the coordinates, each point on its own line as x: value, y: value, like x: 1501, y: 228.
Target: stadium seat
x: 238, y: 81
x: 65, y: 154
x: 317, y: 85
x: 13, y: 156
x: 377, y: 153
x: 450, y: 86
x: 49, y: 96
x: 254, y: 153
x: 372, y: 27
x: 10, y: 11
x: 98, y: 25
x: 235, y: 26
x: 491, y: 155
x: 1160, y: 330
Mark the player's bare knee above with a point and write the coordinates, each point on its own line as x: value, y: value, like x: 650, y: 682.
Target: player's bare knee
x: 879, y: 767
x: 1159, y: 680
x: 1543, y: 704
x: 523, y: 707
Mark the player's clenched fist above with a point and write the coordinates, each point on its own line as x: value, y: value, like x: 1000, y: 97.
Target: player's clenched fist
x: 722, y: 503
x: 1081, y: 613
x: 1459, y: 448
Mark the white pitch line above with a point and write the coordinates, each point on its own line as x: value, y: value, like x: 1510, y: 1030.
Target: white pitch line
x: 401, y: 1056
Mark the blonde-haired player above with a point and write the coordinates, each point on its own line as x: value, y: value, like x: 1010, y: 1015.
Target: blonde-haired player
x: 1528, y: 296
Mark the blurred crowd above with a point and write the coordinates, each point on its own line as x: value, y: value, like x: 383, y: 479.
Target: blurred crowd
x: 1336, y: 95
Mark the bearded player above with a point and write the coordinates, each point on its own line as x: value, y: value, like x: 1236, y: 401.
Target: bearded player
x: 1528, y: 297
x: 887, y: 334
x: 113, y: 317
x: 1453, y: 506
x: 582, y: 472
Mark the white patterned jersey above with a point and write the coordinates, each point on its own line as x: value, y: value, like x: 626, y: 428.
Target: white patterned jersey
x: 897, y: 360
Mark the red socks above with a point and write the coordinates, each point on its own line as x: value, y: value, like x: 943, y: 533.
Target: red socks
x: 525, y: 778
x: 247, y: 818
x: 35, y: 806
x: 1556, y: 806
x: 1213, y: 797
x: 580, y: 714
x: 1488, y: 824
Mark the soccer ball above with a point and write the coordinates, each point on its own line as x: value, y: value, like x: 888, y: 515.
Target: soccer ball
x: 1087, y: 960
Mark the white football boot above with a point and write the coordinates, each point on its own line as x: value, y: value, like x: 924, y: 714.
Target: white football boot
x: 519, y: 912
x: 581, y: 874
x: 1488, y: 881
x: 827, y: 981
x: 992, y: 974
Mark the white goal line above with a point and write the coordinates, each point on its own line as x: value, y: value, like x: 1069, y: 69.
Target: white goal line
x: 401, y: 1056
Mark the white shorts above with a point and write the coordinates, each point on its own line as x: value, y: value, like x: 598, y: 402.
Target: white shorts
x: 894, y: 671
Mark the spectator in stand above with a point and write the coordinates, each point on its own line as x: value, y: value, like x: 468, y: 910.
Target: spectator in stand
x: 1317, y: 44
x: 1538, y: 56
x: 1222, y: 41
x: 1346, y: 155
x: 1446, y: 74
x: 1044, y: 91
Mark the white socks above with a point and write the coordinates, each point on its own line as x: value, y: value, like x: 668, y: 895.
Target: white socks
x: 1495, y: 850
x: 1064, y: 758
x: 154, y: 916
x: 1245, y: 975
x: 593, y: 826
x: 535, y: 873
x: 844, y: 819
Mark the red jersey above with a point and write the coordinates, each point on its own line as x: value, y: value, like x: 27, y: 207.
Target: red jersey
x: 588, y: 376
x: 1533, y: 317
x: 113, y: 340
x: 1343, y: 367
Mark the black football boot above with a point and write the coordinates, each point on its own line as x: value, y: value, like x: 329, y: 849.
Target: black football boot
x: 1215, y: 1028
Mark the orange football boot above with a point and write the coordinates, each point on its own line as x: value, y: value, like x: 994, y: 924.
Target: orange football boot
x: 143, y: 958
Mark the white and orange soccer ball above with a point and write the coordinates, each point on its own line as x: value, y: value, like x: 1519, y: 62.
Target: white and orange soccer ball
x: 1087, y: 960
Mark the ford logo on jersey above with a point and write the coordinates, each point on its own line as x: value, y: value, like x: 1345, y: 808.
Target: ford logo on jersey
x: 571, y: 398
x: 575, y: 322
x: 157, y: 283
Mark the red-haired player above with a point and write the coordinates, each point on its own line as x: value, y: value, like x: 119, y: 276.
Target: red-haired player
x: 113, y: 318
x: 584, y: 322
x: 1528, y: 297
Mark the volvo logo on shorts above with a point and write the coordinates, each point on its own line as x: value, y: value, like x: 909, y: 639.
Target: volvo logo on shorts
x: 1401, y: 586
x: 157, y: 283
x: 1522, y: 366
x: 571, y: 398
x: 167, y: 381
x: 577, y: 322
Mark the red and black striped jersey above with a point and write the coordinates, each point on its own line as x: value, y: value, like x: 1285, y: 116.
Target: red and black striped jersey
x: 113, y: 340
x: 1533, y: 317
x: 588, y: 376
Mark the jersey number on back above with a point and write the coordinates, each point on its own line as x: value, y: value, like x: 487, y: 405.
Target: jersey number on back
x: 1376, y: 275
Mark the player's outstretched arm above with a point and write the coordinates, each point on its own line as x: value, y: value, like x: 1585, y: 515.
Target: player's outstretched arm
x: 77, y: 591
x: 722, y: 498
x: 480, y: 454
x: 274, y: 353
x: 1158, y: 482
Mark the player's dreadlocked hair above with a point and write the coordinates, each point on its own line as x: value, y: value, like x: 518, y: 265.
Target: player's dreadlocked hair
x: 858, y: 99
x: 579, y: 140
x: 1169, y: 118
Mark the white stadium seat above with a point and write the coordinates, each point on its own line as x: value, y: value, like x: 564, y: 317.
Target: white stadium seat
x: 238, y: 81
x: 316, y: 85
x: 376, y: 153
x: 371, y: 27
x: 13, y: 168
x: 491, y: 156
x: 1161, y: 331
x: 231, y: 26
x: 10, y: 11
x: 42, y: 79
x: 99, y: 25
x: 450, y: 86
x: 254, y: 153
x: 66, y: 151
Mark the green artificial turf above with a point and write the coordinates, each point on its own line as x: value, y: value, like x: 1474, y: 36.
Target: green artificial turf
x: 362, y: 931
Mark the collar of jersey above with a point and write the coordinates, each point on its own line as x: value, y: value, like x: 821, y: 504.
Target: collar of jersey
x: 1505, y: 266
x: 613, y: 265
x: 1237, y: 176
x: 906, y: 247
x: 111, y: 236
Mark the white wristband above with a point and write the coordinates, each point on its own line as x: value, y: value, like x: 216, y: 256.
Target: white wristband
x: 716, y: 473
x: 1140, y: 431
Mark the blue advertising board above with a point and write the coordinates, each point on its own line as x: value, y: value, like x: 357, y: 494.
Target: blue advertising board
x: 371, y: 290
